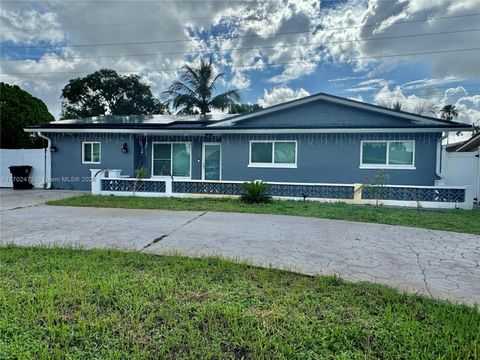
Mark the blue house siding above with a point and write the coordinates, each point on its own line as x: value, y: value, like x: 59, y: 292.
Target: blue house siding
x: 327, y: 114
x: 321, y: 158
x: 330, y: 158
x: 68, y: 171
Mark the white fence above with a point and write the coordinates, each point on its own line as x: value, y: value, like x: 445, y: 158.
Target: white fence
x: 462, y: 168
x: 38, y: 159
x: 110, y: 182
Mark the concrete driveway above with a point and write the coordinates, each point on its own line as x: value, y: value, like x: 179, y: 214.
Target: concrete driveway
x: 439, y: 264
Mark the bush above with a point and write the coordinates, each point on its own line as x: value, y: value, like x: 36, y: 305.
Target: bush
x: 256, y: 192
x: 141, y: 173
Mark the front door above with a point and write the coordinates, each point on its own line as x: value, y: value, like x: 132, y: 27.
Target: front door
x: 212, y: 161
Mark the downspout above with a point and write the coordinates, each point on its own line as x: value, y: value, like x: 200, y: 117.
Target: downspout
x: 47, y: 177
x: 439, y: 160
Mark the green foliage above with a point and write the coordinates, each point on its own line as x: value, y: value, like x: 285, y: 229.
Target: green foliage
x: 106, y: 92
x: 141, y: 173
x: 378, y: 185
x: 256, y: 192
x: 196, y: 89
x: 243, y: 108
x: 465, y: 221
x: 449, y: 112
x: 18, y: 110
x: 106, y: 304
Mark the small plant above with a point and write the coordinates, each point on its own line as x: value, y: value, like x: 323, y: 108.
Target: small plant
x: 140, y: 173
x: 377, y: 186
x: 256, y: 192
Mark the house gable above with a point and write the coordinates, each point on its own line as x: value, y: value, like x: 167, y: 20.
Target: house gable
x: 330, y: 112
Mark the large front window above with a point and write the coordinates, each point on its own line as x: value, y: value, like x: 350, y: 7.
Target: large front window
x: 388, y: 154
x: 171, y: 159
x: 273, y: 154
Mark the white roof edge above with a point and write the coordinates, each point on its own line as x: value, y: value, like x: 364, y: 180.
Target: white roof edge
x: 316, y: 97
x: 243, y: 131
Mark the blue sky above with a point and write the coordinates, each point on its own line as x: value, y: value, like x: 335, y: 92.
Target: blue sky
x: 378, y: 51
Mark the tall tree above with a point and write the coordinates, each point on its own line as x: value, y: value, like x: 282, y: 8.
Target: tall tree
x: 396, y: 105
x: 107, y: 93
x: 423, y: 107
x: 449, y: 112
x: 196, y: 89
x: 427, y: 108
x: 18, y: 110
x: 243, y: 108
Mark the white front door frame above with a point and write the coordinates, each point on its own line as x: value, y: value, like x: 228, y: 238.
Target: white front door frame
x: 203, y: 158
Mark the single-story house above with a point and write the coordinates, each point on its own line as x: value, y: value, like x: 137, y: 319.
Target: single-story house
x: 317, y: 139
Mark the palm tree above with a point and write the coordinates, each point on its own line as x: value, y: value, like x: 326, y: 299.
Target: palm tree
x: 394, y: 105
x: 398, y: 106
x: 427, y: 108
x: 449, y: 112
x: 196, y: 89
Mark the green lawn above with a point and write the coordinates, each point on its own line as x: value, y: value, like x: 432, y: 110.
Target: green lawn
x: 452, y: 220
x: 66, y: 303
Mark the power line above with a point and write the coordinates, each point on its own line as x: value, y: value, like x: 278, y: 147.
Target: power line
x: 213, y: 17
x: 218, y: 38
x: 119, y: 24
x: 175, y: 1
x: 309, y: 62
x: 244, y: 48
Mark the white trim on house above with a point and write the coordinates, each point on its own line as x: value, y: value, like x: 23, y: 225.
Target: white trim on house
x: 333, y: 99
x: 245, y: 131
x: 203, y: 159
x: 387, y: 165
x: 272, y: 164
x: 99, y: 152
x: 171, y: 161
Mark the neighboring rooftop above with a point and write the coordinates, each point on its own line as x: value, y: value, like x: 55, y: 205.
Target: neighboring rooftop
x: 472, y: 144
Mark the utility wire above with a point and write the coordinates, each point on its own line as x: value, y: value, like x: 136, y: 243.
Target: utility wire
x: 218, y: 38
x: 308, y: 62
x: 214, y: 17
x: 242, y: 48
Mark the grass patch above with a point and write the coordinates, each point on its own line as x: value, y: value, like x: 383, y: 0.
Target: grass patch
x: 453, y: 220
x: 63, y: 303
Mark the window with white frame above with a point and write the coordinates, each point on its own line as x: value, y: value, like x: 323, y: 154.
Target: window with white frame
x: 171, y: 159
x: 387, y: 154
x: 91, y: 152
x: 273, y: 153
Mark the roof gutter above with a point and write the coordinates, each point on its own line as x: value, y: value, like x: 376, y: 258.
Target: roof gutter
x: 439, y: 156
x: 240, y: 131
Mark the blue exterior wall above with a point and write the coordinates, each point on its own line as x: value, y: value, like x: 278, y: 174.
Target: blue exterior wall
x: 321, y: 158
x: 69, y: 173
x: 330, y: 158
x: 326, y: 114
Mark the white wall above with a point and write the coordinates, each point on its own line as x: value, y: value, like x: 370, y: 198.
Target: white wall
x: 33, y: 157
x: 462, y: 168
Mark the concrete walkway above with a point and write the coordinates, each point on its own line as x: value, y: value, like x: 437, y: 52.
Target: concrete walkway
x: 439, y: 264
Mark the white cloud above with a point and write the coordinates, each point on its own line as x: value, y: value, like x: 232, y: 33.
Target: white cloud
x: 357, y: 98
x: 88, y: 23
x: 468, y: 106
x: 384, y: 19
x: 301, y: 22
x: 29, y: 26
x: 280, y: 95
